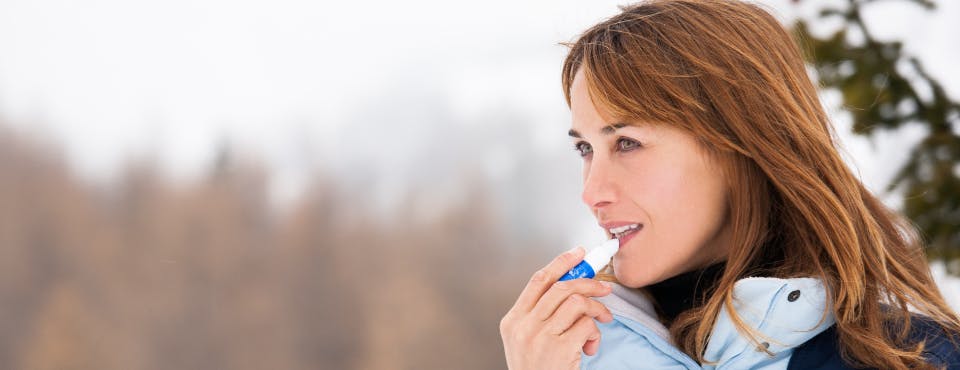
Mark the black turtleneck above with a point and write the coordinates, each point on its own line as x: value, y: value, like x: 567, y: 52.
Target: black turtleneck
x: 682, y: 292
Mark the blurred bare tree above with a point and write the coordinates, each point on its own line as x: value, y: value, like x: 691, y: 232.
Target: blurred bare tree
x: 148, y: 274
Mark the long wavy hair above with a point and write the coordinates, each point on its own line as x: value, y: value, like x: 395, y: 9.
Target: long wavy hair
x: 730, y: 74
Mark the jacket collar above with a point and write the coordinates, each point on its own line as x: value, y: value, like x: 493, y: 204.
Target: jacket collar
x: 635, y: 305
x: 783, y: 313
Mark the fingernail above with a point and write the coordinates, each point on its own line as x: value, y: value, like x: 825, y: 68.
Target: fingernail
x: 575, y: 250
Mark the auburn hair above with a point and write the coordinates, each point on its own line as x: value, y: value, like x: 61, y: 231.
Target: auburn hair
x: 731, y: 75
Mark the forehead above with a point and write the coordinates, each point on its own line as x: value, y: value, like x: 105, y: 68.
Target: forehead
x: 587, y: 115
x: 588, y: 118
x: 581, y: 103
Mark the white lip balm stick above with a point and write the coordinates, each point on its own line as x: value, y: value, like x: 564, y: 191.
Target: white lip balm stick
x: 594, y: 261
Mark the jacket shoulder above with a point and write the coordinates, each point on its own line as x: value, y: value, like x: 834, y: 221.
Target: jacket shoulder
x: 822, y: 352
x: 941, y: 347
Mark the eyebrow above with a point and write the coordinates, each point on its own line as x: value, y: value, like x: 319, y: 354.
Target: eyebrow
x: 606, y: 130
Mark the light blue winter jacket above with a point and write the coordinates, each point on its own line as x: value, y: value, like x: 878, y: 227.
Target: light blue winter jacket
x: 787, y: 312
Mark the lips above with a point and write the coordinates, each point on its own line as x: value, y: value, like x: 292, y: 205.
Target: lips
x: 623, y: 230
x: 629, y: 234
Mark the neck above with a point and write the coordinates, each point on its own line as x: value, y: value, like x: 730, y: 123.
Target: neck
x: 685, y: 291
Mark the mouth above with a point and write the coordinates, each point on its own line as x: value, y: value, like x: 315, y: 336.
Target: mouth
x: 621, y: 232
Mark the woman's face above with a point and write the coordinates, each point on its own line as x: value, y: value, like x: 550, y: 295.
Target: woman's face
x: 655, y: 177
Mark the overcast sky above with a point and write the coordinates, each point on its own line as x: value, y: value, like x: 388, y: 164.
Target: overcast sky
x: 287, y: 80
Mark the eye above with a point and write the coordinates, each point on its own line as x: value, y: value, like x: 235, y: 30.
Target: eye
x: 583, y: 148
x: 626, y: 145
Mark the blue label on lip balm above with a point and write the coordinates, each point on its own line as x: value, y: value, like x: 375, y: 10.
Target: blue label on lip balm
x: 582, y: 270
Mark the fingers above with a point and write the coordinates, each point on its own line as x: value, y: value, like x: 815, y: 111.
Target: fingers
x: 564, y: 290
x: 551, y: 317
x: 542, y: 279
x: 574, y: 308
x: 582, y: 333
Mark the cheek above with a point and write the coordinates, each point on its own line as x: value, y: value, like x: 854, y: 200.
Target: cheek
x: 686, y: 202
x: 691, y: 208
x: 676, y: 197
x: 693, y: 217
x: 685, y: 210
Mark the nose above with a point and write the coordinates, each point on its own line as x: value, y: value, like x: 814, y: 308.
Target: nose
x: 599, y: 184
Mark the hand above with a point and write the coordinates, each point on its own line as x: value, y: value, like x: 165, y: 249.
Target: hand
x: 552, y: 322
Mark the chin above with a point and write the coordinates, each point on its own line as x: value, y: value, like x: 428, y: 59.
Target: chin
x: 636, y: 276
x: 630, y: 279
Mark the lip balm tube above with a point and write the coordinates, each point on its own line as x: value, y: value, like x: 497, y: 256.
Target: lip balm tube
x: 594, y: 261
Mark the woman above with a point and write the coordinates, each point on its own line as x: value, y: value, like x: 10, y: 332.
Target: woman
x: 752, y: 244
